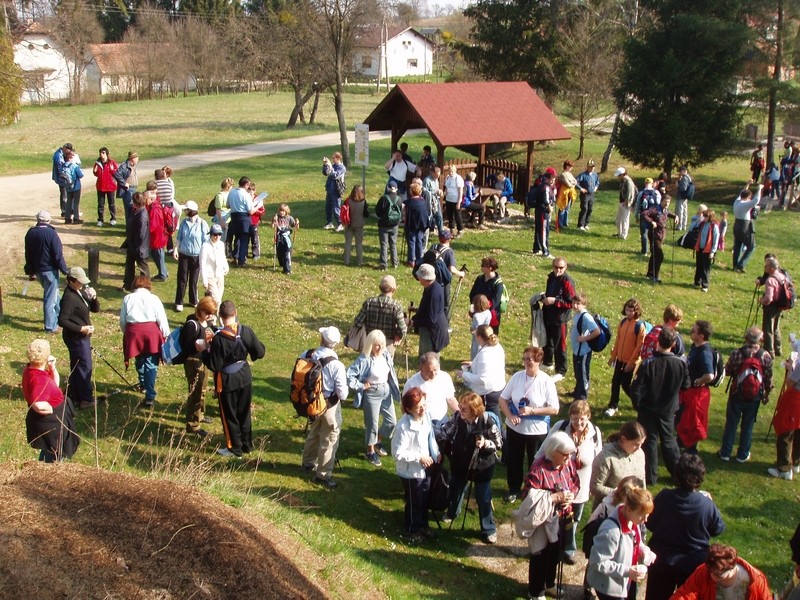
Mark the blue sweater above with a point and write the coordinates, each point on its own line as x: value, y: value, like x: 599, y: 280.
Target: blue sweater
x: 682, y: 524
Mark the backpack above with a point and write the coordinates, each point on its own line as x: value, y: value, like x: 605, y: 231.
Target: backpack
x: 650, y: 342
x: 65, y: 176
x: 344, y: 213
x: 749, y: 382
x: 787, y: 294
x: 648, y: 200
x: 648, y: 327
x: 306, y: 386
x: 719, y: 368
x: 591, y: 529
x: 171, y: 351
x: 690, y: 189
x: 689, y: 239
x: 169, y: 219
x: 505, y: 296
x: 212, y: 207
x: 599, y: 343
x: 392, y: 210
x: 433, y: 257
x: 341, y: 187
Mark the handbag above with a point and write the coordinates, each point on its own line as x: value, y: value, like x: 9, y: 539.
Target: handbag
x: 355, y: 338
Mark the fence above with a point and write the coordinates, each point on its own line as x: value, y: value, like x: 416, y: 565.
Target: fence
x: 517, y: 174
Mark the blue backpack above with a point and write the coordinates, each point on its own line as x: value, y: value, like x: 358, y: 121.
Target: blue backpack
x: 599, y: 343
x: 648, y: 200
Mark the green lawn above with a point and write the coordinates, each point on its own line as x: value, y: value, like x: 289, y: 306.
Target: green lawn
x: 160, y: 128
x: 357, y: 527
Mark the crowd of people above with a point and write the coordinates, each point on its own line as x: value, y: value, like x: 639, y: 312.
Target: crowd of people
x: 552, y: 469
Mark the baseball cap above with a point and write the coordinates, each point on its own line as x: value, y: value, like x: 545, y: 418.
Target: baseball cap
x: 79, y: 274
x: 391, y: 186
x: 331, y: 335
x: 590, y: 163
x: 192, y: 205
x: 445, y: 236
x: 619, y: 171
x: 648, y: 180
x: 43, y: 216
x: 550, y: 171
x: 426, y: 273
x: 216, y: 229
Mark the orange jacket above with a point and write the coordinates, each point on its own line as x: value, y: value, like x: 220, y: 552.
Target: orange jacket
x: 628, y: 345
x: 700, y: 586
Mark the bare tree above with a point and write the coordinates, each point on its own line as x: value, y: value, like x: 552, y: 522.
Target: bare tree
x: 200, y: 44
x: 152, y: 41
x: 74, y: 26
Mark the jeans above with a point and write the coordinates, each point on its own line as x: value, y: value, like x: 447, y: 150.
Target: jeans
x: 332, y: 208
x: 744, y: 242
x: 73, y: 207
x: 51, y: 301
x: 581, y: 365
x: 563, y: 218
x: 62, y: 200
x: 416, y: 245
x: 377, y: 402
x: 158, y: 256
x: 483, y: 498
x: 147, y: 369
x: 387, y: 238
x: 127, y: 201
x: 644, y: 229
x: 239, y: 227
x: 101, y: 205
x: 570, y: 541
x: 188, y: 274
x: 746, y: 412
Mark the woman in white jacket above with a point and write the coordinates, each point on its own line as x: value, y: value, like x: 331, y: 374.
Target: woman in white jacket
x: 414, y: 449
x: 213, y: 264
x: 486, y: 373
x: 619, y: 555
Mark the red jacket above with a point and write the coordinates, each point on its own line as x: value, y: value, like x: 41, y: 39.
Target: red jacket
x: 105, y: 176
x: 700, y: 586
x: 158, y: 235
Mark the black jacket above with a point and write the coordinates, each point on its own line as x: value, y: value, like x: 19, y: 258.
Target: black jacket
x: 657, y: 383
x: 138, y: 234
x: 74, y: 313
x: 229, y: 350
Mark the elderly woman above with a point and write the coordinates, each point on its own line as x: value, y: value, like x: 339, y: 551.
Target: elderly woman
x: 620, y: 457
x: 486, y: 373
x: 619, y: 556
x: 474, y: 439
x: 528, y: 401
x: 414, y: 448
x: 553, y: 480
x: 724, y: 568
x: 589, y: 442
x: 73, y: 317
x: 50, y: 421
x: 145, y: 327
x: 682, y: 523
x: 490, y: 285
x: 373, y: 378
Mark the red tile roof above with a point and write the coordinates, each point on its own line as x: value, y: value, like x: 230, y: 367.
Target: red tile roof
x: 465, y: 114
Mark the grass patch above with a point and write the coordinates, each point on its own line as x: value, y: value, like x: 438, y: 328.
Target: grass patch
x: 357, y: 528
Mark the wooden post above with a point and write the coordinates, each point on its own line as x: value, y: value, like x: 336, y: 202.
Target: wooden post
x: 1, y: 304
x: 94, y: 265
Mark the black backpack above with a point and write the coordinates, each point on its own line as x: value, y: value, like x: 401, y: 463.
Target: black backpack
x: 433, y: 257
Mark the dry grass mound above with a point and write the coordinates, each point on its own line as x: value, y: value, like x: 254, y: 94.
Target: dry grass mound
x: 70, y: 531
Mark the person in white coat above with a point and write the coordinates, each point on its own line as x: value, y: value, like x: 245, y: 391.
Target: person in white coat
x: 486, y: 373
x: 213, y: 264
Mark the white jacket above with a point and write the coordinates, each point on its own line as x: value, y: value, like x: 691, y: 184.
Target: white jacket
x: 487, y: 373
x: 213, y: 264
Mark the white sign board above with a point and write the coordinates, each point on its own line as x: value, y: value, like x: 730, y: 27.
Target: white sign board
x: 362, y: 145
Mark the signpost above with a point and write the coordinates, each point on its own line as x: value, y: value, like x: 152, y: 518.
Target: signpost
x: 362, y: 151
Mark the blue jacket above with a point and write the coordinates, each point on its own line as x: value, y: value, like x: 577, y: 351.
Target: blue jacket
x: 589, y: 181
x: 43, y: 250
x: 359, y: 371
x: 192, y: 236
x: 58, y: 162
x: 77, y: 174
x: 333, y: 172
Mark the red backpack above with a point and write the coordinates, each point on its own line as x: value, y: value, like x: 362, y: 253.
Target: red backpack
x: 169, y: 219
x: 344, y: 213
x: 650, y: 343
x: 749, y: 383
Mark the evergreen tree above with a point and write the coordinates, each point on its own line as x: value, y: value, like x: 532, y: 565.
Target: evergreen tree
x: 10, y: 81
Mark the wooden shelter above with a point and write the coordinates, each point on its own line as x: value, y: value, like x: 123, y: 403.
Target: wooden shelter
x: 471, y: 116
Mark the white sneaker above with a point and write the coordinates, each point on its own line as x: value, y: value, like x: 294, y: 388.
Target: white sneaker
x: 113, y: 222
x: 796, y: 469
x: 179, y: 308
x: 610, y: 412
x: 557, y: 377
x: 328, y: 226
x: 340, y: 228
x: 99, y: 223
x: 550, y: 256
x: 787, y: 475
x: 227, y: 453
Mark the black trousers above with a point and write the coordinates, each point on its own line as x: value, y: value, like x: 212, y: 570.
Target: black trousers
x: 188, y: 274
x: 453, y: 213
x: 516, y: 446
x: 658, y: 427
x: 620, y: 379
x: 556, y: 346
x: 132, y: 263
x: 234, y: 409
x: 80, y: 369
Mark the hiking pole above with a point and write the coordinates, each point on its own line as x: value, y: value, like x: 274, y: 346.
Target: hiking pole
x: 470, y: 477
x: 777, y: 404
x: 135, y: 388
x: 672, y: 267
x: 454, y: 295
x: 752, y: 303
x: 274, y: 250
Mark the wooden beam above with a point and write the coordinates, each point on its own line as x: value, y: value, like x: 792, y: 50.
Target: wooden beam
x: 481, y: 170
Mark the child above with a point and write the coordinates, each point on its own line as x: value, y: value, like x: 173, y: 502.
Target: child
x: 584, y: 329
x: 619, y: 555
x: 723, y: 229
x: 357, y: 204
x: 625, y: 354
x: 481, y: 315
x: 255, y: 219
x: 698, y: 217
x: 283, y: 225
x: 772, y: 181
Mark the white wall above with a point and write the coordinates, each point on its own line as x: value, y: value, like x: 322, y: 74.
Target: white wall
x: 36, y: 52
x: 407, y: 53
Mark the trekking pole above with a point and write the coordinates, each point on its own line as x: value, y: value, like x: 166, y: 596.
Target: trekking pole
x: 135, y: 388
x: 672, y: 267
x: 777, y: 404
x: 470, y: 476
x: 752, y: 304
x: 454, y: 295
x: 403, y: 243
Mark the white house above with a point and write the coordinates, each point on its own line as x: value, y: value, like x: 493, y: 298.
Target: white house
x: 408, y: 52
x: 45, y: 69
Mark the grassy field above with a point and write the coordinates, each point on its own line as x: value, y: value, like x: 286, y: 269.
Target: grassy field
x: 357, y: 528
x: 162, y: 128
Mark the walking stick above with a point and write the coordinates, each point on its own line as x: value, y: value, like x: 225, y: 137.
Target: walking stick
x: 672, y: 267
x: 274, y: 249
x: 777, y: 404
x: 752, y: 303
x: 135, y: 388
x: 454, y: 295
x: 470, y: 475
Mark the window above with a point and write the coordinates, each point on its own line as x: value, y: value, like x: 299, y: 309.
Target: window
x: 412, y: 63
x: 366, y: 62
x: 113, y: 80
x: 46, y: 46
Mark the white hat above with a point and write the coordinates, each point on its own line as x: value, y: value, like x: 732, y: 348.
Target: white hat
x: 426, y: 272
x: 192, y: 205
x: 79, y: 274
x: 619, y: 171
x: 331, y: 335
x: 43, y: 216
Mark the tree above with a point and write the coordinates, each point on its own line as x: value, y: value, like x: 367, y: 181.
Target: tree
x: 200, y: 43
x: 151, y: 39
x: 75, y: 27
x: 677, y: 100
x: 513, y: 41
x: 10, y: 81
